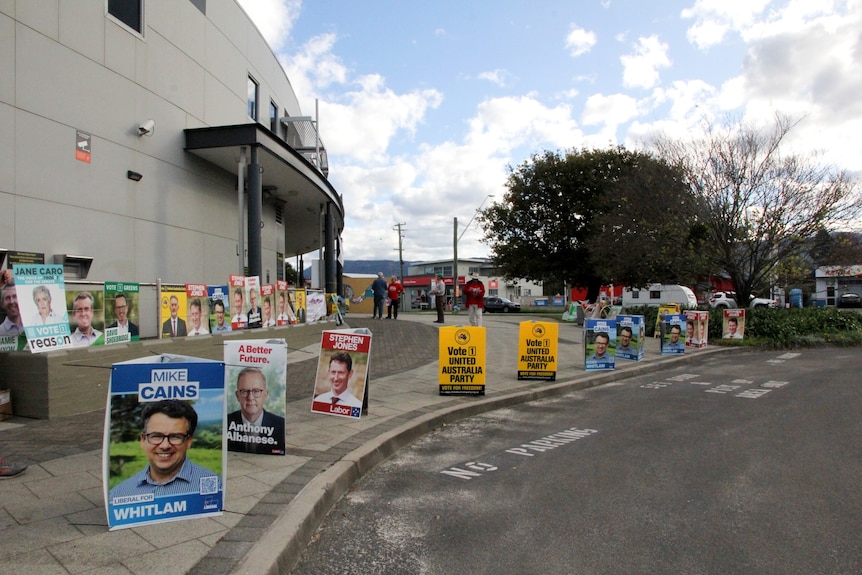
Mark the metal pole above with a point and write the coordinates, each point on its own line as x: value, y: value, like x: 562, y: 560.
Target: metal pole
x: 240, y: 190
x: 455, y: 260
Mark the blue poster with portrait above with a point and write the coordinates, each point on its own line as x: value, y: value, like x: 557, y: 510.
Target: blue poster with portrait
x: 599, y: 338
x: 673, y: 334
x: 164, y: 455
x: 630, y: 337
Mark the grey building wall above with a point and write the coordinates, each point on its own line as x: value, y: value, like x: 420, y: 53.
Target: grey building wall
x: 66, y: 66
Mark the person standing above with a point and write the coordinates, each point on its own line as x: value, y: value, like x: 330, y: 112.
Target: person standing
x: 394, y: 291
x: 379, y: 287
x: 438, y: 290
x: 474, y: 299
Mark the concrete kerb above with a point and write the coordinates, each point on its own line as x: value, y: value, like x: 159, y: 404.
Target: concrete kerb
x: 280, y: 548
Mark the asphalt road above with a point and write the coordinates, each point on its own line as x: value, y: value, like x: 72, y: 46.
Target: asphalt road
x: 744, y: 463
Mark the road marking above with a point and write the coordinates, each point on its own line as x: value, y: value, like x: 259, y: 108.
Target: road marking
x: 784, y: 357
x: 475, y: 469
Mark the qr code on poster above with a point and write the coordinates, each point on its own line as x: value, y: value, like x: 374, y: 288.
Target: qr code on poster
x: 209, y: 485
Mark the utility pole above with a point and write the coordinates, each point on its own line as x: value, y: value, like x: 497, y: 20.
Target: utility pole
x: 400, y: 261
x: 400, y: 250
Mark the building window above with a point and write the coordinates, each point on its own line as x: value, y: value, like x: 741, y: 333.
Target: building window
x: 273, y: 117
x: 252, y: 98
x: 655, y: 294
x: 129, y: 12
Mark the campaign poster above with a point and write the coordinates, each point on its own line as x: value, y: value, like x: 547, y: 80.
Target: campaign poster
x: 219, y: 304
x: 733, y: 324
x: 239, y: 318
x: 256, y: 387
x: 315, y: 306
x: 284, y: 307
x: 599, y: 338
x: 252, y: 296
x: 197, y: 299
x: 300, y: 304
x: 86, y: 310
x: 663, y: 310
x: 537, y: 350
x: 673, y: 331
x: 342, y: 372
x: 163, y: 454
x: 13, y: 343
x: 121, y: 312
x: 267, y: 306
x: 172, y: 311
x: 697, y: 328
x: 462, y: 360
x: 41, y: 294
x: 630, y: 337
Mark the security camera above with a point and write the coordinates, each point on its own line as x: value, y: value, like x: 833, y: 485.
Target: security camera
x: 146, y: 129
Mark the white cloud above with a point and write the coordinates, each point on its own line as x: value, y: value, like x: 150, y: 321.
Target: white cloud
x: 274, y: 18
x: 611, y: 111
x: 579, y: 41
x: 497, y: 77
x: 362, y: 122
x: 640, y: 70
x: 715, y: 18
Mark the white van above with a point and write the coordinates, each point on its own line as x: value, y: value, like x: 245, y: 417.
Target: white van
x: 658, y: 294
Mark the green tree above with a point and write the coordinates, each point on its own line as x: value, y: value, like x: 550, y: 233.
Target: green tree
x: 761, y: 205
x: 290, y: 274
x: 589, y: 217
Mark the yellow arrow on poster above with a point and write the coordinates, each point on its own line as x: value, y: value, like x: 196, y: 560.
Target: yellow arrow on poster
x: 537, y: 350
x: 462, y: 360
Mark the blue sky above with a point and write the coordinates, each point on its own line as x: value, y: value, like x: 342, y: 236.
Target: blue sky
x: 424, y: 105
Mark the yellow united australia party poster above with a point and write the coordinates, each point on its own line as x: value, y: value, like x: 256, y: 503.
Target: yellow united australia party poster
x: 462, y: 359
x: 537, y: 350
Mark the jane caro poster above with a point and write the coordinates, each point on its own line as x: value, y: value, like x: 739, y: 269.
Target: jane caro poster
x: 41, y: 296
x: 256, y: 384
x: 164, y: 456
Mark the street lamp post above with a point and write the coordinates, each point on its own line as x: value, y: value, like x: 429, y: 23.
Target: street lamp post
x: 456, y: 238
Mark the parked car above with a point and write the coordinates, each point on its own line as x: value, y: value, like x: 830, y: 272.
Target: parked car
x: 850, y: 300
x: 723, y: 299
x: 502, y: 304
x: 727, y: 299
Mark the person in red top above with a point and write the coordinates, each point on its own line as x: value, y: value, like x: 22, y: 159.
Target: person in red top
x: 474, y: 299
x: 393, y: 291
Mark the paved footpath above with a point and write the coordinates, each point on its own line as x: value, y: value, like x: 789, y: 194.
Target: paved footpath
x: 52, y: 518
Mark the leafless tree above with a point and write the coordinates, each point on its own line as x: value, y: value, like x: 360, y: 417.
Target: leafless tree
x: 760, y: 203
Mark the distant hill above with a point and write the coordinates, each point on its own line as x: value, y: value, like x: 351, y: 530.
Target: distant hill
x: 388, y: 267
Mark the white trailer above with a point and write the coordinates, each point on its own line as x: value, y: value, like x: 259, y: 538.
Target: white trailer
x: 659, y: 294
